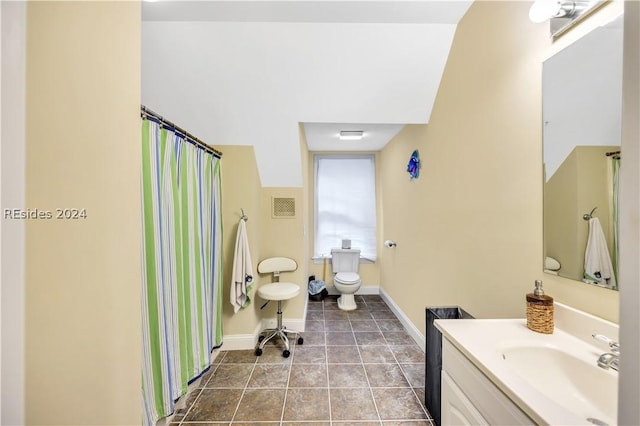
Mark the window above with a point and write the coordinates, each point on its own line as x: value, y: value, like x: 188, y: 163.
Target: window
x: 345, y: 203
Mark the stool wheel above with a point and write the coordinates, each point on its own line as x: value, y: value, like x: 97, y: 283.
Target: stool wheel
x: 258, y: 352
x: 300, y: 340
x: 286, y: 354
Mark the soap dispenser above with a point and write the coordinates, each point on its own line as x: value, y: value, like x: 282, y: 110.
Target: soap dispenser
x: 540, y: 310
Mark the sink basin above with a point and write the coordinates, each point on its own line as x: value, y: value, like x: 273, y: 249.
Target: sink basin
x: 553, y: 378
x: 588, y: 390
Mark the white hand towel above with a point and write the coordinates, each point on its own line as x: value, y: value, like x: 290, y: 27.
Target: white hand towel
x: 598, y: 268
x: 242, y: 278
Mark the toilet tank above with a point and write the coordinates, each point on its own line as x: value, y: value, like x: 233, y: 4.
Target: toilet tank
x: 345, y: 260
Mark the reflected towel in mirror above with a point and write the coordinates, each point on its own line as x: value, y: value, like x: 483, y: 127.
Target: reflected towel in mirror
x: 598, y: 268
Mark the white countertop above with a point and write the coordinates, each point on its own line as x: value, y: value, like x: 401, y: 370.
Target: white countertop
x: 484, y: 341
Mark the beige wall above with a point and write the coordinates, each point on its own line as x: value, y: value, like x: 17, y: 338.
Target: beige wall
x: 580, y: 184
x: 268, y: 237
x: 82, y: 283
x: 307, y: 196
x: 470, y: 230
x: 561, y: 218
x: 241, y: 190
x: 285, y: 237
x: 594, y: 190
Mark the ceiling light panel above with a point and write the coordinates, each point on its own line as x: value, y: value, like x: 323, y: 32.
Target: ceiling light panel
x: 351, y: 135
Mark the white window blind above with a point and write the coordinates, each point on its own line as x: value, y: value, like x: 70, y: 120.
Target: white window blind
x: 345, y: 203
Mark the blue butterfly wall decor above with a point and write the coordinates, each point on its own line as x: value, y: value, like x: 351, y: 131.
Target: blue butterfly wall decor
x: 414, y: 165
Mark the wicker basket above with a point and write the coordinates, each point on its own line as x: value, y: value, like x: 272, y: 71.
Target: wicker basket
x: 540, y: 317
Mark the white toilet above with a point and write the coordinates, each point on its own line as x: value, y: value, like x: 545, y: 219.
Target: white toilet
x: 345, y: 264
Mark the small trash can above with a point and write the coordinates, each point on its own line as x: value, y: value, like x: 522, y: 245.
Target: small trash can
x: 317, y: 290
x: 433, y: 358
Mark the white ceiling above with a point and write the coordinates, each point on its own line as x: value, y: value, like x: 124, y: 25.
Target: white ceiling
x: 325, y: 136
x: 247, y: 72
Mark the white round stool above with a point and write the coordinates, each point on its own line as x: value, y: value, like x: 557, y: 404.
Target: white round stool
x: 277, y: 291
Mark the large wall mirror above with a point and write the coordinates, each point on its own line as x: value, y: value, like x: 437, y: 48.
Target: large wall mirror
x: 582, y: 99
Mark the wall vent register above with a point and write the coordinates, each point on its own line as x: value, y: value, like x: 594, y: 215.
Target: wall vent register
x: 283, y: 207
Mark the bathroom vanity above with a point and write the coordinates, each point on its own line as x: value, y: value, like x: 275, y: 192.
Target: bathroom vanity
x: 498, y: 372
x: 460, y: 377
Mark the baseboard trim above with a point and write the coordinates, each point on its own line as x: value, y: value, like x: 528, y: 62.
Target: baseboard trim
x: 238, y: 342
x: 232, y: 342
x: 363, y: 290
x: 296, y: 324
x: 406, y: 322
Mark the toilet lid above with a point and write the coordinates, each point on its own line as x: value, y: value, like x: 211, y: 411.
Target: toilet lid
x: 347, y: 277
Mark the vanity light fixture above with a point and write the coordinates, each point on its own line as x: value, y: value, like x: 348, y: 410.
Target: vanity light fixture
x: 562, y: 14
x: 351, y: 135
x: 542, y: 10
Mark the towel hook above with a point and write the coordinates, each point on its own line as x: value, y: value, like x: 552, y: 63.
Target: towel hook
x: 588, y: 216
x: 244, y: 216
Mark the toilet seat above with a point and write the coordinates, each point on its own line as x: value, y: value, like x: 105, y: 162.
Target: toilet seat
x: 347, y: 278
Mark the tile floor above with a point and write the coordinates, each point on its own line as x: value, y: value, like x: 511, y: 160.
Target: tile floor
x: 357, y: 367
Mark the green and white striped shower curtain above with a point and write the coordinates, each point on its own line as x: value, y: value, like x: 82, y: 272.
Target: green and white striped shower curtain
x: 182, y: 267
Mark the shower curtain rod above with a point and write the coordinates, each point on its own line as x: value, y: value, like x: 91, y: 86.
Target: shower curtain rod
x: 147, y: 113
x: 609, y: 154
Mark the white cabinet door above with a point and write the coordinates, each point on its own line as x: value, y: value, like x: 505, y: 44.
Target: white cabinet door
x: 456, y: 408
x: 481, y: 394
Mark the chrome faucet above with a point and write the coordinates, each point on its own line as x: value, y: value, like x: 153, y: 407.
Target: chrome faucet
x: 609, y: 359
